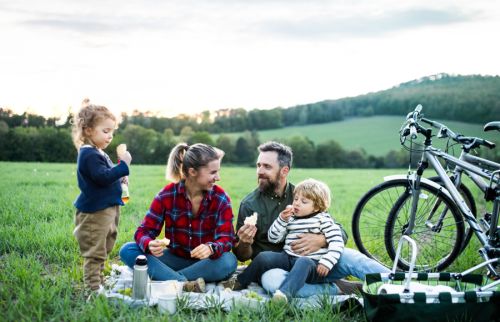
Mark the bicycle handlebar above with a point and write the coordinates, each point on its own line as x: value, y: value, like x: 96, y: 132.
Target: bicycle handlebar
x: 413, y: 132
x: 412, y: 128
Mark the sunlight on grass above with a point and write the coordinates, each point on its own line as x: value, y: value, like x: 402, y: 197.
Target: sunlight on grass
x: 41, y: 275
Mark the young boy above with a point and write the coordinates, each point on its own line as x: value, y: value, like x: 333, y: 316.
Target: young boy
x: 306, y: 215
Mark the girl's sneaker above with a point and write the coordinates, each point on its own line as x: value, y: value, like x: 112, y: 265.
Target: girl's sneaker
x: 95, y: 293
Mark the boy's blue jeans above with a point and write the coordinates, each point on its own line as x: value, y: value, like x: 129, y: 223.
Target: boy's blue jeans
x: 172, y: 267
x: 300, y: 270
x: 351, y: 262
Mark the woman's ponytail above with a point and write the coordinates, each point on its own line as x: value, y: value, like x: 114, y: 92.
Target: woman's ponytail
x: 174, y: 164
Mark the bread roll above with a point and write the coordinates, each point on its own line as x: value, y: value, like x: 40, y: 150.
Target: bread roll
x: 251, y: 220
x: 165, y: 242
x: 121, y: 149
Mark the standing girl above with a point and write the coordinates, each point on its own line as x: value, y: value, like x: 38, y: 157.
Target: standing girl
x: 197, y: 219
x: 98, y: 205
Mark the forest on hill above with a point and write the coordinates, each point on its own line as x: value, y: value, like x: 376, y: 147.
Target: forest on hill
x: 473, y: 99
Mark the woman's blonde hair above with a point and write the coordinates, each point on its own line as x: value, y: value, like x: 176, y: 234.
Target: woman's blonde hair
x: 315, y: 190
x: 182, y: 157
x: 87, y: 118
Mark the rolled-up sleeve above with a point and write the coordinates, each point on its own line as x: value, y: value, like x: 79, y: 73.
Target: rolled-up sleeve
x: 151, y: 225
x: 224, y: 231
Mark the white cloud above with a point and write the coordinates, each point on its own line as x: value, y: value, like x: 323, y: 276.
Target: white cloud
x: 187, y: 56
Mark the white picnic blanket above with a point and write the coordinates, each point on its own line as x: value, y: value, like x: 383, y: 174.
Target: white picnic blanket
x: 121, y: 278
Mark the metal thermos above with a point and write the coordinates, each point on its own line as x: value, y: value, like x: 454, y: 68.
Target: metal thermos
x: 140, y: 278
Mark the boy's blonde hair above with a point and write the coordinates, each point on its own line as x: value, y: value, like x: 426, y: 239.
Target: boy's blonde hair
x: 87, y: 118
x: 315, y: 190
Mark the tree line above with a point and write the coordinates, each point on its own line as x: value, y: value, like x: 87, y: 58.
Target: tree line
x: 28, y: 137
x: 472, y: 99
x: 48, y: 144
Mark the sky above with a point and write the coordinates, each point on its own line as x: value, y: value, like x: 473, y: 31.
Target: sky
x: 186, y: 56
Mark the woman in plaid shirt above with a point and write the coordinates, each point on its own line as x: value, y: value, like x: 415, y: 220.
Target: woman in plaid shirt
x: 197, y: 218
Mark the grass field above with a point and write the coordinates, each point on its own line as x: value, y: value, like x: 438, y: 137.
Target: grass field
x: 352, y: 133
x: 40, y: 266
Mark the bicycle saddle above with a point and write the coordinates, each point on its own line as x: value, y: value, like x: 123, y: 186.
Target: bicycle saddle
x: 492, y: 126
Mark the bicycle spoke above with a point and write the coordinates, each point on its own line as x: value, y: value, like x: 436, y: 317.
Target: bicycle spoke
x: 437, y: 248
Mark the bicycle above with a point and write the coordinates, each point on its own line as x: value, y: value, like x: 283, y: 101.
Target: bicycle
x: 371, y: 214
x: 385, y: 213
x: 371, y: 211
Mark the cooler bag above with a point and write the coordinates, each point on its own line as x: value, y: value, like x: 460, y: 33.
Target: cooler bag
x: 399, y: 296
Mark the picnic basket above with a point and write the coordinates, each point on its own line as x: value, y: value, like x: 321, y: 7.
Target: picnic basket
x: 412, y: 296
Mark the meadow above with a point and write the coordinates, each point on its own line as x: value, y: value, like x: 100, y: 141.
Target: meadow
x: 352, y: 133
x: 40, y: 266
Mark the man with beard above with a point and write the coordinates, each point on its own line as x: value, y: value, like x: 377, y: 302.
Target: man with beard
x: 270, y: 198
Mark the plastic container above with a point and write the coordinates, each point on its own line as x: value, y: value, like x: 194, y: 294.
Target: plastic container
x: 167, y: 303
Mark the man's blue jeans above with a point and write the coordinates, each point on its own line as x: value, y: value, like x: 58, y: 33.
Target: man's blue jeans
x: 172, y: 267
x: 351, y: 262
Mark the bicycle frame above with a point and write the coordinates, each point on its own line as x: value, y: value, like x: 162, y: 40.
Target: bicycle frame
x: 466, y: 164
x: 473, y: 162
x: 445, y: 219
x: 471, y: 170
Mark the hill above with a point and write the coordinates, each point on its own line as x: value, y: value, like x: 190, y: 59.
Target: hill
x: 377, y: 135
x: 471, y: 98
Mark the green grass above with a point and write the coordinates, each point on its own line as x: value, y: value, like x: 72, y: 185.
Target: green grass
x: 377, y: 135
x: 40, y: 266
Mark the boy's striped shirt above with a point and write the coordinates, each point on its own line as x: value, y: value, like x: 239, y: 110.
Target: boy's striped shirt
x: 317, y: 223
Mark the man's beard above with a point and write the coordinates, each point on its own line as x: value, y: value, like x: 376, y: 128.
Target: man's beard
x: 268, y: 185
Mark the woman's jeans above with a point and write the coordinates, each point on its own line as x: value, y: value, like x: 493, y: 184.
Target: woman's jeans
x: 351, y: 262
x: 172, y: 267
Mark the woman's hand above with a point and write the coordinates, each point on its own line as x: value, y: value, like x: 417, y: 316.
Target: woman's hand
x: 156, y: 248
x: 308, y: 243
x: 201, y: 251
x: 322, y: 270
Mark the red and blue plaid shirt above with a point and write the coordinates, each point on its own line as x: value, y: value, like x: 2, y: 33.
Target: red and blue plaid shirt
x: 213, y: 225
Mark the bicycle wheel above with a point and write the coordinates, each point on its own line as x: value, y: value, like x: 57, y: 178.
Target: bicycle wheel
x: 471, y: 203
x: 437, y: 248
x: 370, y: 217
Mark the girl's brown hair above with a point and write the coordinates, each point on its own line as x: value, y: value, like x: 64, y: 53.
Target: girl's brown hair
x: 182, y: 157
x: 87, y: 118
x: 315, y: 190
